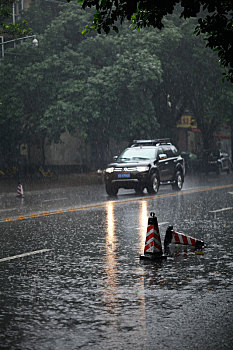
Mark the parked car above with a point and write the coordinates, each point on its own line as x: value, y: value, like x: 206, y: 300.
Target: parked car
x: 146, y: 164
x: 218, y: 161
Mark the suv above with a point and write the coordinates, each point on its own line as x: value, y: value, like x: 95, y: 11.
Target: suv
x: 146, y: 164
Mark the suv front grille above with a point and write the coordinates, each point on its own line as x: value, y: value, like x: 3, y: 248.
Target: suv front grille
x: 126, y: 169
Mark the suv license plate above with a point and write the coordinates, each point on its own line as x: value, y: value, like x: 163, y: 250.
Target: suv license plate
x: 124, y: 176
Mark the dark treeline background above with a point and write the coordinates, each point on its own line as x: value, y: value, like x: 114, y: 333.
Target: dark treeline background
x: 106, y: 87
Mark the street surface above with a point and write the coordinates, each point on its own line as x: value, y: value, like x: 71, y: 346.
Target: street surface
x: 71, y: 277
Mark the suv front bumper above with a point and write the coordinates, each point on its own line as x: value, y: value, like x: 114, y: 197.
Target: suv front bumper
x: 127, y: 180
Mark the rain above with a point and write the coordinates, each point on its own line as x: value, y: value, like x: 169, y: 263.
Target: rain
x: 75, y: 214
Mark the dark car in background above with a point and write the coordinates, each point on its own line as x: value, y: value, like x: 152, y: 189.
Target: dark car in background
x: 146, y: 164
x: 218, y: 162
x: 207, y: 161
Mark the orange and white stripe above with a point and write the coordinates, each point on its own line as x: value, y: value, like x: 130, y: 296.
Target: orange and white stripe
x: 20, y: 190
x: 180, y: 238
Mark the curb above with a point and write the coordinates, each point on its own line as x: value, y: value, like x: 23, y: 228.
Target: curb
x: 70, y: 180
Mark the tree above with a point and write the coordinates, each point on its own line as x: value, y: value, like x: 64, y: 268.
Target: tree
x: 96, y: 84
x: 32, y: 76
x: 191, y: 79
x: 41, y: 14
x: 108, y: 87
x: 105, y: 95
x: 214, y: 20
x: 7, y: 27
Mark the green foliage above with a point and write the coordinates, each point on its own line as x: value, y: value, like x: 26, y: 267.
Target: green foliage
x: 8, y: 28
x: 117, y: 86
x: 41, y: 14
x: 5, y: 9
x: 214, y: 20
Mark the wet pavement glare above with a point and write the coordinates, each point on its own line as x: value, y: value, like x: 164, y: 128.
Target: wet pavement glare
x: 92, y: 291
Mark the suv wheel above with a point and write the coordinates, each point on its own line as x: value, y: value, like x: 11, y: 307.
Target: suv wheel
x: 111, y: 190
x: 229, y: 167
x: 219, y: 169
x: 179, y: 180
x: 153, y: 185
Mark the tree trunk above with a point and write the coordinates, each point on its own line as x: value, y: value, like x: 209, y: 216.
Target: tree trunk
x: 231, y: 125
x: 99, y: 154
x: 207, y: 131
x: 43, y: 151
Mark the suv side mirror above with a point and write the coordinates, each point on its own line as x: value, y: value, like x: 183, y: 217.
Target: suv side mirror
x: 162, y: 156
x: 115, y: 157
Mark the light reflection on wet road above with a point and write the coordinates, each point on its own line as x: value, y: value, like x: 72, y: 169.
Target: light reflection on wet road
x: 91, y: 290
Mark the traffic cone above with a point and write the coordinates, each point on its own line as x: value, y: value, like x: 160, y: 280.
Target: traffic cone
x: 153, y: 246
x: 20, y: 191
x: 180, y: 238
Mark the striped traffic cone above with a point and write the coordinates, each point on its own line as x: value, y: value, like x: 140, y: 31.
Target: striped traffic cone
x: 180, y: 238
x: 20, y: 191
x: 153, y: 246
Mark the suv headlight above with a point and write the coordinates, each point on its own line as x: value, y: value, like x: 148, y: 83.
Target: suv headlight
x: 109, y: 170
x: 142, y: 168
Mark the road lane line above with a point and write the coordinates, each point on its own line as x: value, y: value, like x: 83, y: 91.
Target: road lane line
x: 25, y: 254
x: 55, y: 199
x: 10, y: 209
x: 219, y: 210
x: 116, y: 202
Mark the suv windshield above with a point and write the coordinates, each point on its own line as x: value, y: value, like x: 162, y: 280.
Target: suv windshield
x: 135, y: 153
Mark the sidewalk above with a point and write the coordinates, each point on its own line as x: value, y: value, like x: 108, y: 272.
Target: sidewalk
x: 69, y: 180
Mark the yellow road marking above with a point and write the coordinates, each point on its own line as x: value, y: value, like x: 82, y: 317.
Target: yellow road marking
x: 101, y: 205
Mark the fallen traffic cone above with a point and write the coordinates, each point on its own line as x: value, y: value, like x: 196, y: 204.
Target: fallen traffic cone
x: 20, y: 191
x: 180, y: 238
x: 153, y: 246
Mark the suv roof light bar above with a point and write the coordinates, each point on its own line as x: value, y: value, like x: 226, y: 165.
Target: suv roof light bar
x: 150, y: 142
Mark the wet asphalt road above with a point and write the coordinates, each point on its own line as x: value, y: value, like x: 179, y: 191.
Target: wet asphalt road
x: 83, y: 285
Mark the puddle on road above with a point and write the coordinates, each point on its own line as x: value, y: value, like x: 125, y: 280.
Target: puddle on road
x: 92, y: 290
